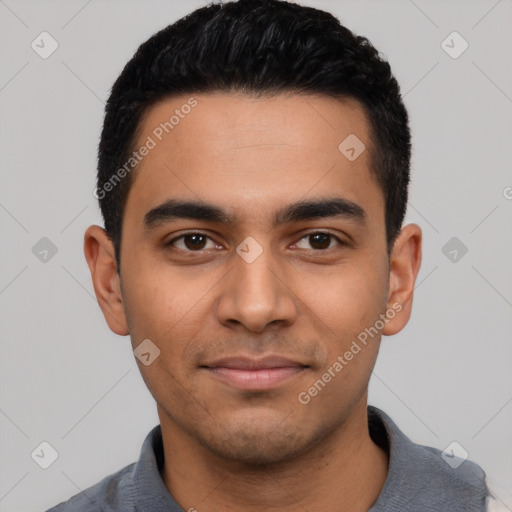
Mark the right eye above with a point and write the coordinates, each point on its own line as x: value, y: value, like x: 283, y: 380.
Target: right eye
x: 193, y: 241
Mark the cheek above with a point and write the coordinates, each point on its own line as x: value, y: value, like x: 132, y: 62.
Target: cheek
x: 349, y: 308
x: 346, y: 300
x: 169, y: 312
x: 167, y: 307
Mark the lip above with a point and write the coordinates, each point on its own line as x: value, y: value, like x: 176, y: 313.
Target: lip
x: 254, y: 374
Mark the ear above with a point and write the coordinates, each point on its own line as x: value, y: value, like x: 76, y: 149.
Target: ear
x: 100, y: 256
x: 404, y: 265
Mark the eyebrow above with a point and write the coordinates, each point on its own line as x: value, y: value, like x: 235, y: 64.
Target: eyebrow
x: 336, y: 207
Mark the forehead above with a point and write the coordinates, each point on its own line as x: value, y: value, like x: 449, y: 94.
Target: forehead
x: 253, y: 155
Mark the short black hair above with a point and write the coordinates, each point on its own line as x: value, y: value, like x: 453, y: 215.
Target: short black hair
x: 259, y: 47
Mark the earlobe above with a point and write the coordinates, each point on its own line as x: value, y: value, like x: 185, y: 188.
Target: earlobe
x: 404, y: 266
x: 100, y: 256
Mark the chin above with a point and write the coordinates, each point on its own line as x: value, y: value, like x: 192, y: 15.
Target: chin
x: 255, y: 450
x: 256, y: 443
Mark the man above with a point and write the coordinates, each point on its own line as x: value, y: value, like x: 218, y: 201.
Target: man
x: 253, y: 178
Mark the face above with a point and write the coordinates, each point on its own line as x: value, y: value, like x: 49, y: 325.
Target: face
x: 258, y: 295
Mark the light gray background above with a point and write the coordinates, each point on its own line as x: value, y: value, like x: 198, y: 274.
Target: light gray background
x: 66, y: 379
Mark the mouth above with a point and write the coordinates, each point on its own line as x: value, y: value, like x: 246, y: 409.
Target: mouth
x: 251, y: 374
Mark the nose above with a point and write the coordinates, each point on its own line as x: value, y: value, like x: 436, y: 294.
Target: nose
x: 257, y: 294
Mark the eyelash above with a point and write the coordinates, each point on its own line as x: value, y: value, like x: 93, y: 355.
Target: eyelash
x: 183, y: 235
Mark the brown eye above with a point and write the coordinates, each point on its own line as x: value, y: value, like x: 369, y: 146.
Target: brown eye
x: 319, y: 241
x: 191, y: 242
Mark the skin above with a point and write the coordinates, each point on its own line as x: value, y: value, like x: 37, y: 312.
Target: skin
x: 225, y: 448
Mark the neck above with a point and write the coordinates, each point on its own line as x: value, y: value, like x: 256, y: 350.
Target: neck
x: 346, y: 471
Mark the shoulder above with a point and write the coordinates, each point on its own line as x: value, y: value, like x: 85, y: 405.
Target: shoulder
x: 425, y: 477
x: 444, y: 466
x: 112, y: 493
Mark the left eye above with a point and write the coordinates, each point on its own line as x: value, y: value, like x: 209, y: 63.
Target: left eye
x: 319, y: 241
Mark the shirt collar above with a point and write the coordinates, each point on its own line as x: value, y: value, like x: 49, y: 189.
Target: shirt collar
x: 151, y: 495
x: 150, y: 491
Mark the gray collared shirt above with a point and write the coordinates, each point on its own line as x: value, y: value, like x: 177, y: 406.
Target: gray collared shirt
x: 418, y: 480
